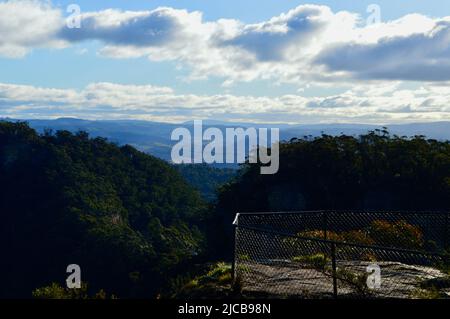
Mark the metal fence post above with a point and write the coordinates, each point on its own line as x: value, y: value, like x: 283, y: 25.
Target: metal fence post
x: 447, y: 232
x: 233, y: 263
x: 333, y: 265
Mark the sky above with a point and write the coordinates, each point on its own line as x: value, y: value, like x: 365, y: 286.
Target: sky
x: 265, y: 61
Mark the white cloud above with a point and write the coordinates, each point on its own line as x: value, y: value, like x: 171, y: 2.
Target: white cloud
x: 382, y: 103
x: 28, y: 24
x: 421, y: 56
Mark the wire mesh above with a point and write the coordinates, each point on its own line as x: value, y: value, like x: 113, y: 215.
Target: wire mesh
x: 345, y: 255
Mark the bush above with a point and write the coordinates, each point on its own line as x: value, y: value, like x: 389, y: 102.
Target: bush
x: 355, y: 280
x: 319, y: 234
x: 219, y: 270
x: 55, y: 291
x: 216, y: 282
x: 317, y: 261
x: 398, y: 234
x: 357, y: 236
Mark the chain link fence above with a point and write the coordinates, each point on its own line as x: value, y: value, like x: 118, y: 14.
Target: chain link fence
x: 343, y: 254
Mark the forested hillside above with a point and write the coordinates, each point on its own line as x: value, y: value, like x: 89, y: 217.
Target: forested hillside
x: 127, y: 218
x: 206, y: 178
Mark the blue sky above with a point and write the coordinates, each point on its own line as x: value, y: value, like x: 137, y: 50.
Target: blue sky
x: 251, y: 11
x: 282, y: 61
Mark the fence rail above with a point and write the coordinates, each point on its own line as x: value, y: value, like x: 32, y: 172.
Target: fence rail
x: 343, y: 254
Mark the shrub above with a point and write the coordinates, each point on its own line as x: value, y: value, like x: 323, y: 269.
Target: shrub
x: 353, y: 236
x: 319, y: 234
x: 317, y: 261
x: 218, y: 270
x: 430, y: 293
x: 244, y: 257
x: 214, y: 283
x: 355, y: 280
x: 398, y: 234
x: 55, y: 291
x: 225, y: 279
x: 357, y: 236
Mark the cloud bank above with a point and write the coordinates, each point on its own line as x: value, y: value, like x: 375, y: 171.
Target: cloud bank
x: 366, y: 103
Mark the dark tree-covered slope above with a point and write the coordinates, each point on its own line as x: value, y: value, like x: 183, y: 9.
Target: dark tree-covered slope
x: 125, y: 217
x: 206, y: 178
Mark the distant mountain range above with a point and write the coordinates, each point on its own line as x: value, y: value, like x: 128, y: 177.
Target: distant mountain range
x: 154, y: 137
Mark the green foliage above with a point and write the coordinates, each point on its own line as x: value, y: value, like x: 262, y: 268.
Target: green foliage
x: 357, y: 236
x: 398, y: 234
x: 358, y: 281
x: 380, y: 232
x: 244, y: 257
x: 317, y: 261
x: 430, y: 293
x: 218, y: 270
x: 243, y: 268
x: 206, y: 178
x: 216, y: 282
x: 320, y: 234
x: 55, y: 291
x: 125, y: 217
